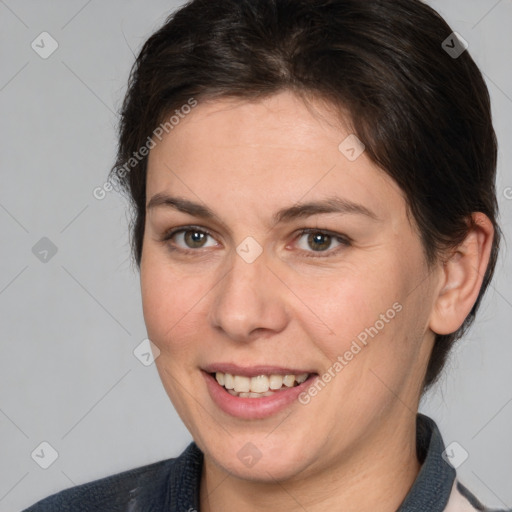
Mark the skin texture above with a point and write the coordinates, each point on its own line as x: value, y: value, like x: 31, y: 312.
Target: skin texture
x: 352, y: 447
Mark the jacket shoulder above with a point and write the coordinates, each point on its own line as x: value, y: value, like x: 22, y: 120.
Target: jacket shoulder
x: 113, y: 493
x: 463, y: 500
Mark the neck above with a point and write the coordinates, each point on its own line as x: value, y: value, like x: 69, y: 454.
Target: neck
x: 359, y: 482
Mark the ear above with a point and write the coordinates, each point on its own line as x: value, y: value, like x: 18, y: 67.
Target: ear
x: 462, y: 276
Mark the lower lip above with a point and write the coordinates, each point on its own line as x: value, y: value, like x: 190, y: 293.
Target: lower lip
x: 253, y: 408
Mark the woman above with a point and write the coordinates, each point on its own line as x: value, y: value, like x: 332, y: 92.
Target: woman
x: 315, y: 226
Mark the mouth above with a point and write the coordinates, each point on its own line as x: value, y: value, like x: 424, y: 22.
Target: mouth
x: 259, y: 386
x: 256, y: 391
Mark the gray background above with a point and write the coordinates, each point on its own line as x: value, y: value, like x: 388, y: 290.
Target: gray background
x: 68, y: 375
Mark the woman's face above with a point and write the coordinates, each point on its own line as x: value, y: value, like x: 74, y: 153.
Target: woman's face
x: 244, y: 292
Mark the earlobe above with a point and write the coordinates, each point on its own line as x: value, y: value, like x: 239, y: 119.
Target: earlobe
x: 462, y: 276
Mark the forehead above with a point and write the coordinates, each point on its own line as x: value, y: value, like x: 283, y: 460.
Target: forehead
x: 281, y: 120
x: 272, y: 151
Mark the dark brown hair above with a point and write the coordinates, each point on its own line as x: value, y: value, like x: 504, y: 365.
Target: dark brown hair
x: 423, y: 114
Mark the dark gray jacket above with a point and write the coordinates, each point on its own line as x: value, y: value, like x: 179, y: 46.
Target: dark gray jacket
x: 172, y: 485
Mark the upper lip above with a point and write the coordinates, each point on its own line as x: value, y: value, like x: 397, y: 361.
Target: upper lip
x: 253, y: 371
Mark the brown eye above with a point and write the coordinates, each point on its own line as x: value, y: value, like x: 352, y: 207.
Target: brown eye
x: 187, y: 239
x: 321, y: 241
x: 194, y: 239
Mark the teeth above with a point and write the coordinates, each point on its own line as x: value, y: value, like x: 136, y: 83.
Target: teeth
x: 276, y: 381
x: 242, y: 384
x: 259, y: 384
x: 262, y: 385
x: 229, y: 382
x: 220, y: 378
x: 289, y: 380
x: 301, y: 378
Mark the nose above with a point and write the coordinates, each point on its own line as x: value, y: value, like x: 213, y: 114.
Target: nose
x: 249, y: 301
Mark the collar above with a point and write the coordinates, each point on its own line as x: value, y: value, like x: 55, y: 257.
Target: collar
x: 432, y: 487
x: 430, y: 491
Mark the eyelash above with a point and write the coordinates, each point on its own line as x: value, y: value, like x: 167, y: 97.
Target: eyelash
x: 342, y: 239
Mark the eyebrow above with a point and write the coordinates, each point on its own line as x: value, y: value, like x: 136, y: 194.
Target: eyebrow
x: 332, y: 204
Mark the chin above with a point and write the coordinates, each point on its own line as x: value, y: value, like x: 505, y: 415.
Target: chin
x: 260, y: 459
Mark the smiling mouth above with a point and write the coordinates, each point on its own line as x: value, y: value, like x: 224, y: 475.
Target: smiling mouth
x: 259, y: 386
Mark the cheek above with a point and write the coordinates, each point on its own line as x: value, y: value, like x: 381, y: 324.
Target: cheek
x: 371, y: 318
x: 159, y: 295
x: 171, y: 304
x: 351, y: 300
